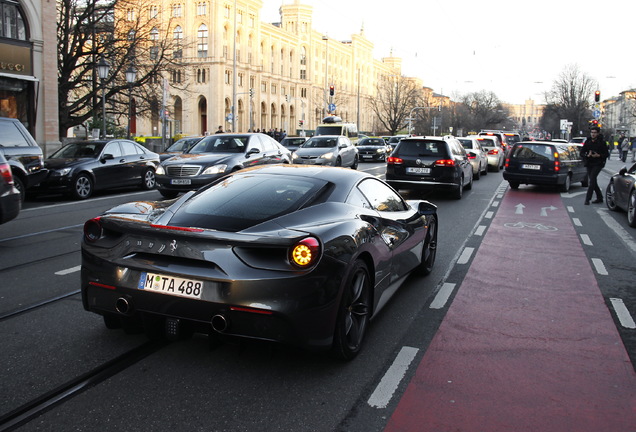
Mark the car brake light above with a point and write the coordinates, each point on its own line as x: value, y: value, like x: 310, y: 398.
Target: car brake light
x: 493, y: 151
x: 5, y: 173
x: 444, y: 162
x: 305, y: 253
x: 177, y: 228
x: 471, y: 156
x: 507, y: 162
x: 394, y: 160
x: 93, y: 230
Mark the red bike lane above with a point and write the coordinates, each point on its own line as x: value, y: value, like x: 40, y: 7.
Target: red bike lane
x: 528, y: 343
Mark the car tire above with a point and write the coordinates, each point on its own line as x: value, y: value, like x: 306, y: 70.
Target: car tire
x: 353, y: 313
x: 469, y: 186
x: 168, y: 194
x: 458, y: 192
x: 82, y: 187
x: 148, y: 181
x: 631, y: 209
x: 338, y: 162
x: 485, y: 171
x: 429, y: 251
x: 514, y: 185
x: 477, y: 175
x: 496, y: 168
x: 19, y: 185
x: 355, y: 163
x: 610, y: 193
x: 565, y: 187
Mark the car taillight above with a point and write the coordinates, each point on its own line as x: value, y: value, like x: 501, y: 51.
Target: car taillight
x: 92, y: 230
x: 471, y: 156
x: 305, y: 253
x: 493, y: 151
x: 507, y: 163
x: 444, y: 162
x: 394, y: 160
x: 5, y: 173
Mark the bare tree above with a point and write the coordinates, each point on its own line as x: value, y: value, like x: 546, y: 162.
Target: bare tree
x: 395, y: 97
x: 570, y: 98
x: 125, y: 33
x: 481, y: 110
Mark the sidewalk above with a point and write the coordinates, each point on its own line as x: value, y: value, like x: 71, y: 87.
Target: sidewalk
x: 528, y: 344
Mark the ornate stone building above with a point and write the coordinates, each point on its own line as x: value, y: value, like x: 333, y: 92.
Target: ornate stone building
x: 281, y: 73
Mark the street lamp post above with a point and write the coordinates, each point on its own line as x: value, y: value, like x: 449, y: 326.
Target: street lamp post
x: 131, y: 76
x: 103, y: 67
x: 326, y: 39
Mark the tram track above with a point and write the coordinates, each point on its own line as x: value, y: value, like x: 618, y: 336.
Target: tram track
x: 33, y: 306
x: 41, y: 404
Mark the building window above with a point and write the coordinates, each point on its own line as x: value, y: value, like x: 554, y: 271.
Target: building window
x: 303, y: 92
x: 202, y: 41
x: 263, y: 87
x: 228, y: 77
x: 240, y: 80
x: 239, y: 17
x: 201, y: 76
x: 303, y: 74
x: 177, y: 35
x: 202, y: 8
x: 252, y: 21
x: 177, y: 11
x: 130, y: 14
x: 227, y: 12
x: 176, y: 76
x: 153, y: 12
x: 274, y: 87
x: 12, y: 24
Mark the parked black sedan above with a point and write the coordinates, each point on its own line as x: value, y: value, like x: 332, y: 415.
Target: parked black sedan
x: 80, y: 168
x: 215, y: 156
x: 621, y: 193
x: 10, y: 199
x: 304, y: 255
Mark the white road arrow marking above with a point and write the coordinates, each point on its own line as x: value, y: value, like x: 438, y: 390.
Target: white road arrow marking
x: 519, y: 208
x: 544, y: 210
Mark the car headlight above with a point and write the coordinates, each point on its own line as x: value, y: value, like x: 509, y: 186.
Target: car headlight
x: 215, y: 169
x: 160, y: 170
x: 63, y: 172
x: 327, y: 156
x: 294, y: 155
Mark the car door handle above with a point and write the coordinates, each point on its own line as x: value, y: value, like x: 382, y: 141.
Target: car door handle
x: 122, y: 160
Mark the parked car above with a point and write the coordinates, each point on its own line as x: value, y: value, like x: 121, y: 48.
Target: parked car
x: 301, y: 255
x: 373, y: 149
x: 494, y: 152
x: 545, y: 163
x: 180, y: 146
x: 333, y: 150
x: 23, y: 155
x: 430, y: 163
x: 292, y: 143
x: 81, y: 168
x: 621, y: 193
x: 215, y: 156
x: 10, y: 199
x: 578, y: 140
x: 476, y: 154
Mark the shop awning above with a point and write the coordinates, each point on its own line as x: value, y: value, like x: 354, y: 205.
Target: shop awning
x: 19, y: 77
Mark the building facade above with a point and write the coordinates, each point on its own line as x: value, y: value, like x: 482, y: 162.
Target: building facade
x: 619, y: 113
x: 274, y: 75
x: 28, y: 68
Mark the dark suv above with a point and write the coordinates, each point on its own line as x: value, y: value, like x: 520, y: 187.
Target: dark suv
x: 545, y: 163
x: 23, y: 155
x: 430, y: 163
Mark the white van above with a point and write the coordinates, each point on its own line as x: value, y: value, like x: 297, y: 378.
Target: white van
x: 333, y: 125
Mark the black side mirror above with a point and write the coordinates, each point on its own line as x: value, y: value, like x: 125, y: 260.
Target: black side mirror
x: 107, y: 156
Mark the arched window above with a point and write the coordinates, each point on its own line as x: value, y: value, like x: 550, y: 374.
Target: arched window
x: 177, y: 34
x: 202, y: 41
x: 13, y: 26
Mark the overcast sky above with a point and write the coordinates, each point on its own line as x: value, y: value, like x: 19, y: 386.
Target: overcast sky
x: 515, y: 49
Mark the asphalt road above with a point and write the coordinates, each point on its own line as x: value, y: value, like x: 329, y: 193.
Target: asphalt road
x: 99, y: 379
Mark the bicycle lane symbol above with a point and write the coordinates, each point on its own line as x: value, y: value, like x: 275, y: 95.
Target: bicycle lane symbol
x: 537, y: 226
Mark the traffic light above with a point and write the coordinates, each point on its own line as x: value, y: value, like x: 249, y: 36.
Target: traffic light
x: 331, y: 91
x: 300, y: 123
x: 251, y: 92
x: 597, y: 96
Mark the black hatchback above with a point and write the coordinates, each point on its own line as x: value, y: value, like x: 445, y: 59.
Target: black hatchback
x: 545, y: 163
x: 430, y: 163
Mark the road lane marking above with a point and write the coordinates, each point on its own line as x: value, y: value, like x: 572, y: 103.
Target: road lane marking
x: 480, y: 230
x: 69, y: 270
x: 577, y: 222
x: 623, y: 315
x: 389, y: 383
x: 586, y: 240
x: 618, y: 229
x: 91, y: 200
x: 570, y: 209
x: 495, y: 203
x: 442, y: 296
x: 489, y: 215
x: 465, y: 256
x: 41, y: 232
x: 599, y: 266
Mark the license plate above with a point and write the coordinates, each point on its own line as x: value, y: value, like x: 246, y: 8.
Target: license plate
x: 171, y: 285
x: 180, y: 181
x: 367, y: 156
x: 532, y: 167
x: 418, y: 170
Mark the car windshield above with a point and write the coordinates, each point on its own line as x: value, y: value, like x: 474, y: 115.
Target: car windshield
x: 182, y: 145
x: 245, y: 200
x: 533, y: 152
x: 220, y: 144
x: 422, y: 148
x: 329, y: 130
x: 320, y: 143
x: 372, y: 142
x: 79, y: 150
x: 292, y: 141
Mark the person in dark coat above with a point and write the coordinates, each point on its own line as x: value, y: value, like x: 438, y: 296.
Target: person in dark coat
x: 594, y: 153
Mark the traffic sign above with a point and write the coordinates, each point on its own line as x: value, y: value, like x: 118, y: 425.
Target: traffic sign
x: 596, y: 113
x: 332, y: 107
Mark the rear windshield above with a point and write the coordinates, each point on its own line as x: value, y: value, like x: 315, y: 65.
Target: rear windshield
x: 242, y: 201
x: 535, y: 152
x: 421, y: 148
x: 468, y: 144
x: 329, y: 130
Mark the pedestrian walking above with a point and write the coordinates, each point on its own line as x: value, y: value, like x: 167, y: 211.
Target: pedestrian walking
x: 594, y: 153
x: 624, y: 147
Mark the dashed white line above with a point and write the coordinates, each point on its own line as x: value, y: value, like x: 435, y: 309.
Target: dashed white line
x: 389, y: 383
x: 577, y: 222
x: 586, y: 240
x: 495, y: 203
x: 68, y: 270
x: 623, y: 315
x: 599, y: 266
x: 480, y: 230
x: 465, y: 256
x: 489, y: 215
x: 621, y: 232
x: 570, y: 209
x: 442, y: 296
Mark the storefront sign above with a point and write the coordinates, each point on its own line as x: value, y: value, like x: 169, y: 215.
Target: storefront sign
x: 15, y: 59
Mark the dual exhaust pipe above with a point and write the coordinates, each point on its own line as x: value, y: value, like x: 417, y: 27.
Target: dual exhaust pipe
x: 125, y: 306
